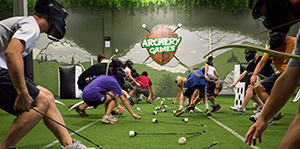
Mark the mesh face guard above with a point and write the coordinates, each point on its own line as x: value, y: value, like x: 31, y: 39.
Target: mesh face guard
x: 58, y: 16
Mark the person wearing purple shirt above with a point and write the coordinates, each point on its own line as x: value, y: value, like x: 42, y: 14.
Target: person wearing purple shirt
x: 105, y: 90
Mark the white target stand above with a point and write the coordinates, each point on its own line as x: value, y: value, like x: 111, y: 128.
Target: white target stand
x: 239, y: 94
x: 239, y: 88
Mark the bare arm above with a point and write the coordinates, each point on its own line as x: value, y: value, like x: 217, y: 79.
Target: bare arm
x: 286, y: 83
x: 127, y: 106
x: 15, y: 66
x: 205, y: 72
x: 239, y: 79
x: 151, y: 90
x: 258, y: 68
x: 132, y: 79
x: 216, y: 73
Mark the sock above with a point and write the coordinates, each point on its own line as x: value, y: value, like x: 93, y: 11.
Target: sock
x: 180, y: 107
x: 206, y: 106
x: 148, y: 98
x: 128, y: 96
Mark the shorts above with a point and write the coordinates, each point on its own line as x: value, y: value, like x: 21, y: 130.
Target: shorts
x: 8, y: 93
x: 127, y: 87
x: 96, y: 103
x: 210, y: 89
x: 269, y: 82
x: 188, y: 92
x: 144, y: 91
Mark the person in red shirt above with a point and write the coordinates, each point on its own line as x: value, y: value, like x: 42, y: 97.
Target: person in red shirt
x: 145, y: 88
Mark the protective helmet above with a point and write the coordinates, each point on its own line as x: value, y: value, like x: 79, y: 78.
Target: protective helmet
x: 57, y: 14
x: 250, y: 56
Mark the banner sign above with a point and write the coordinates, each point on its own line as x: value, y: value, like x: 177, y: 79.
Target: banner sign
x: 161, y: 44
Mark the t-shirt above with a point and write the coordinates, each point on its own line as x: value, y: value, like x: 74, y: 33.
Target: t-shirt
x: 296, y: 62
x: 267, y: 69
x: 23, y: 28
x: 100, y: 86
x: 211, y: 70
x: 144, y: 81
x: 193, y: 79
x: 281, y: 62
x: 95, y: 70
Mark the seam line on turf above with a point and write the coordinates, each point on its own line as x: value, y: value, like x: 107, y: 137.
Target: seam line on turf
x: 228, y: 129
x: 54, y: 142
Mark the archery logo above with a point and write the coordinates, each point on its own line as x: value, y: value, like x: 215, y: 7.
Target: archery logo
x: 161, y: 44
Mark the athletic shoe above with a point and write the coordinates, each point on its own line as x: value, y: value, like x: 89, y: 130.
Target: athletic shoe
x: 239, y: 110
x: 149, y: 101
x: 254, y: 106
x: 207, y: 112
x: 137, y: 101
x: 12, y: 147
x: 255, y: 117
x: 258, y: 110
x: 76, y: 145
x: 278, y: 116
x: 109, y: 120
x: 216, y: 109
x: 114, y: 112
x: 179, y: 112
x: 190, y: 109
x: 130, y: 101
x: 81, y: 112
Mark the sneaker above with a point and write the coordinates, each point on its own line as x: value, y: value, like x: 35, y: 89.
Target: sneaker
x: 239, y: 110
x: 216, y: 109
x: 109, y: 120
x: 12, y: 147
x: 254, y: 106
x: 130, y: 101
x: 114, y: 112
x: 207, y: 112
x: 278, y: 116
x: 81, y: 112
x: 149, y: 101
x: 76, y: 145
x: 258, y: 110
x: 190, y: 109
x: 255, y: 117
x: 179, y: 112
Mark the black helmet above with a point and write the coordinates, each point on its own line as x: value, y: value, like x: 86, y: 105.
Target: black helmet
x: 57, y: 14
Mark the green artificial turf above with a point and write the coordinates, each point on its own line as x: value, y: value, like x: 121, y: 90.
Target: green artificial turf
x: 116, y: 136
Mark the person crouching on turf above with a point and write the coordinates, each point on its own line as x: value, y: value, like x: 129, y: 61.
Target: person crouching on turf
x: 145, y: 88
x: 213, y: 88
x: 194, y: 83
x: 105, y: 89
x: 180, y: 82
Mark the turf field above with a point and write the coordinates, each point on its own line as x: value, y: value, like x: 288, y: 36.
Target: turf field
x: 226, y: 127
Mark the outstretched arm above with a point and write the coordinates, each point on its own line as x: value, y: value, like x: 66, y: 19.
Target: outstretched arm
x: 127, y: 106
x: 283, y: 88
x: 238, y: 79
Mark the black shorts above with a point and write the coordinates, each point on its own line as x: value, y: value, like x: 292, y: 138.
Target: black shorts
x: 8, y: 93
x: 95, y: 104
x: 188, y: 92
x: 211, y: 89
x: 269, y: 82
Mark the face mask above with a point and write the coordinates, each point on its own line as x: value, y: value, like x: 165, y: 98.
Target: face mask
x: 276, y: 39
x: 210, y: 63
x: 250, y: 56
